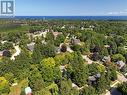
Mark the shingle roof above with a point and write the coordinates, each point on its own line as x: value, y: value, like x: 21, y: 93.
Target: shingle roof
x: 120, y: 63
x: 31, y: 46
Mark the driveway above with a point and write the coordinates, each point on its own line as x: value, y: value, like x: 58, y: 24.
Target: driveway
x: 18, y: 51
x: 87, y: 59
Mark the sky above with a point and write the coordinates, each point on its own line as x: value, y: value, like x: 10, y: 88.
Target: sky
x: 70, y: 7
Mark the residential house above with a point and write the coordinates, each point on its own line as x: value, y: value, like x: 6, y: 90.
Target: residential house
x: 56, y: 34
x: 63, y: 27
x: 106, y: 59
x: 31, y: 46
x: 75, y: 41
x: 6, y: 53
x: 93, y: 79
x: 120, y: 64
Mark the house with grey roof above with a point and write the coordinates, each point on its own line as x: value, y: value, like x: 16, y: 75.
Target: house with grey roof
x: 93, y: 79
x: 75, y: 41
x: 6, y: 53
x: 120, y: 64
x: 30, y: 46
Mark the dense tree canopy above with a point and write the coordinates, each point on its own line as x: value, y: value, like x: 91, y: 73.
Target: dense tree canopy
x: 58, y: 65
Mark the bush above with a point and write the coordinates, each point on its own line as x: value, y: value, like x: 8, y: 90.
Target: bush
x: 123, y: 88
x: 118, y: 57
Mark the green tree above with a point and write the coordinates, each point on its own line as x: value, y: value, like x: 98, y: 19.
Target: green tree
x: 1, y: 46
x: 35, y: 80
x: 80, y: 70
x: 49, y: 37
x: 59, y: 39
x: 88, y: 91
x: 118, y: 57
x: 103, y: 52
x: 53, y: 88
x: 4, y: 86
x: 65, y: 87
x: 48, y: 50
x: 123, y: 88
x: 77, y: 48
x: 74, y: 91
x: 8, y: 45
x: 63, y: 48
x: 36, y: 56
x: 102, y: 84
x: 119, y: 40
x: 59, y: 59
x: 43, y: 92
x: 121, y: 50
x: 113, y: 48
x: 10, y: 77
x: 57, y: 74
x: 112, y: 71
x: 93, y: 69
x: 48, y: 62
x: 47, y: 69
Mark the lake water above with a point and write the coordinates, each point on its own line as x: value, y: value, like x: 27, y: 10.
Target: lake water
x: 74, y: 17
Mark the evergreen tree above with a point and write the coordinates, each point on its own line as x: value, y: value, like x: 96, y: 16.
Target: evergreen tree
x: 88, y: 91
x: 80, y: 70
x: 36, y: 56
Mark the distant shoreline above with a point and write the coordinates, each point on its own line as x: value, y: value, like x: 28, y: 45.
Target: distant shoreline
x: 72, y: 17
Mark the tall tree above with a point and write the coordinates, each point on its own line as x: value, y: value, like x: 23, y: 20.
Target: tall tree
x: 88, y: 91
x: 80, y: 70
x: 59, y: 39
x: 35, y: 80
x: 36, y: 56
x: 65, y: 87
x: 4, y: 86
x: 47, y: 69
x: 48, y: 50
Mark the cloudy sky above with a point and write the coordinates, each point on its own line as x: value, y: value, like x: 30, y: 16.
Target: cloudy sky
x: 70, y: 7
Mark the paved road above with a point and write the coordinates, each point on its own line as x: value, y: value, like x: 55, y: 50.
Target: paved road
x: 121, y: 78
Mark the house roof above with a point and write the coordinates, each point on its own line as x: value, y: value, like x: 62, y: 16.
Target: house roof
x: 98, y: 75
x: 106, y: 58
x: 31, y: 46
x: 56, y: 34
x: 92, y: 78
x: 120, y: 63
x: 75, y: 41
x: 4, y: 52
